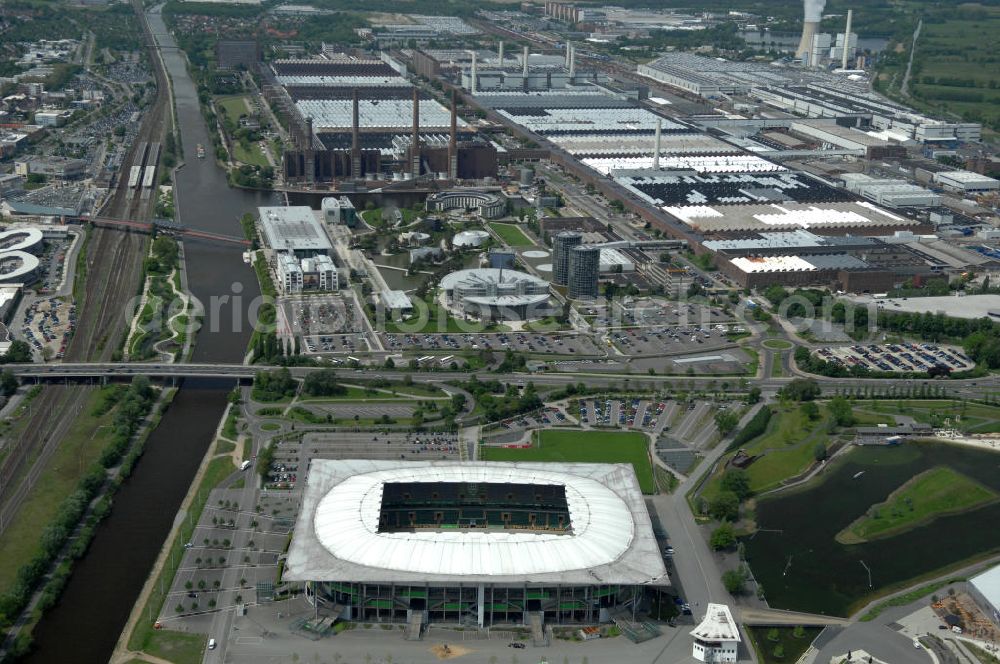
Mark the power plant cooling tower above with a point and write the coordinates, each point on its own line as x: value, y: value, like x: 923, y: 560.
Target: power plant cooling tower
x: 810, y: 26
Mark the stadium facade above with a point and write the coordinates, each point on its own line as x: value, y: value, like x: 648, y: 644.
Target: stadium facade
x: 474, y: 543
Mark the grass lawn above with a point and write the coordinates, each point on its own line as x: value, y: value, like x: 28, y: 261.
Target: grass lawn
x: 253, y: 156
x: 438, y: 320
x: 270, y: 426
x: 966, y: 417
x: 178, y: 647
x: 72, y: 458
x: 785, y: 449
x: 933, y: 493
x: 362, y: 394
x: 235, y: 106
x: 585, y: 446
x: 791, y: 646
x: 511, y: 234
x: 777, y: 344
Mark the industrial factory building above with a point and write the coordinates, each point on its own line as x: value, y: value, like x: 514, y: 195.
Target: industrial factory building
x: 474, y: 543
x: 359, y: 120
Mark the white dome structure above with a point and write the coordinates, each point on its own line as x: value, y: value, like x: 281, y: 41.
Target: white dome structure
x: 467, y: 239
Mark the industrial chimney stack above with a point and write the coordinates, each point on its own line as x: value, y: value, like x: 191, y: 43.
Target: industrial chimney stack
x: 656, y: 145
x: 472, y: 75
x: 500, y: 53
x: 847, y: 39
x: 524, y: 64
x: 355, y: 137
x: 453, y: 138
x: 415, y: 143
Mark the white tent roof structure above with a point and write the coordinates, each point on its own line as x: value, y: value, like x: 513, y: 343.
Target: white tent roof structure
x: 610, y: 540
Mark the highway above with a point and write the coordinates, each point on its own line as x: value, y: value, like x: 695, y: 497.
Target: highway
x: 971, y: 388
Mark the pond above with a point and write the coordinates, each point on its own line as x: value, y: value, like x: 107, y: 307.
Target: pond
x: 800, y: 565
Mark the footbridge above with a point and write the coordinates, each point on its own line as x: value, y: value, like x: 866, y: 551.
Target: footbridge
x: 781, y: 618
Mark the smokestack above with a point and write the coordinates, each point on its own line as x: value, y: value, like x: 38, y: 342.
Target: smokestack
x: 453, y: 138
x: 656, y: 148
x: 813, y: 14
x: 500, y: 53
x: 847, y: 38
x: 524, y: 65
x: 572, y: 61
x: 568, y: 46
x: 355, y: 137
x: 472, y: 77
x: 415, y: 143
x: 309, y: 133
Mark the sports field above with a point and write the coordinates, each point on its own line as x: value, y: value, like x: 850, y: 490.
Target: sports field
x: 585, y: 446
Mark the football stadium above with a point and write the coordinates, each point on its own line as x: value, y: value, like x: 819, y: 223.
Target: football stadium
x: 474, y: 543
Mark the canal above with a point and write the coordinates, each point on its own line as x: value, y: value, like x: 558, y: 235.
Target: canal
x: 85, y: 625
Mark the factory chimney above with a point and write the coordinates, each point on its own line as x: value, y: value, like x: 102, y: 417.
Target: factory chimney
x: 415, y: 142
x: 472, y: 75
x: 656, y: 145
x: 453, y: 138
x: 568, y: 47
x: 810, y: 26
x: 572, y: 62
x: 309, y: 133
x: 524, y: 64
x: 355, y: 137
x: 500, y: 53
x: 847, y: 38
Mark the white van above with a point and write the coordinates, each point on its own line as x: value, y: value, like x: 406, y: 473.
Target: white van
x: 211, y: 644
x: 245, y: 465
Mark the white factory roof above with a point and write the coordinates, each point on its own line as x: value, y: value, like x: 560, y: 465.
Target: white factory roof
x: 988, y: 585
x: 717, y: 625
x: 589, y: 119
x: 785, y: 216
x: 773, y: 264
x: 640, y: 144
x: 293, y: 228
x: 375, y: 113
x: 337, y: 537
x: 735, y: 163
x: 345, y: 81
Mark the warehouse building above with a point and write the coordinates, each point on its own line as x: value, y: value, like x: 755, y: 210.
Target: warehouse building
x: 293, y: 230
x: 985, y: 590
x: 474, y: 543
x: 966, y: 182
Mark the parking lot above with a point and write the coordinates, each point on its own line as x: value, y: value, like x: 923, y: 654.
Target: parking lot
x: 291, y: 457
x: 321, y: 315
x: 669, y: 340
x: 660, y: 312
x: 48, y: 324
x: 335, y: 343
x: 691, y: 422
x: 523, y: 342
x: 904, y: 357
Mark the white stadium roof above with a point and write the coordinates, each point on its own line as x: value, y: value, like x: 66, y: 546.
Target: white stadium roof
x: 337, y: 537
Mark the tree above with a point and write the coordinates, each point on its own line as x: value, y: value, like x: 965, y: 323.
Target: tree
x: 737, y: 481
x: 753, y: 396
x: 725, y: 506
x: 323, y: 383
x: 810, y: 410
x: 799, y: 632
x: 723, y: 537
x: 820, y: 452
x: 726, y: 420
x: 840, y: 409
x: 779, y: 651
x: 735, y: 581
x: 18, y: 353
x: 800, y: 389
x: 773, y: 635
x: 8, y: 383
